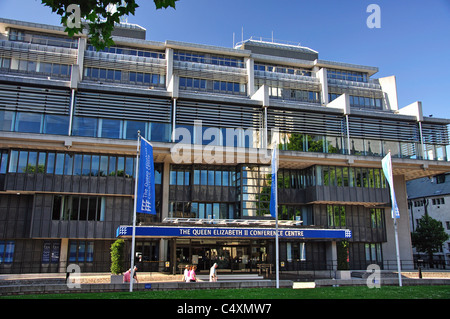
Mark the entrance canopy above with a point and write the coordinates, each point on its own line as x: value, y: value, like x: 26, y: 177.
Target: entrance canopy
x: 231, y: 232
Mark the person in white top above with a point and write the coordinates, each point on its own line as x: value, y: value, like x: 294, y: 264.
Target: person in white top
x: 186, y: 274
x: 213, y: 273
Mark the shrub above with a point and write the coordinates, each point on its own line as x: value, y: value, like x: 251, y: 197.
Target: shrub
x: 117, y: 257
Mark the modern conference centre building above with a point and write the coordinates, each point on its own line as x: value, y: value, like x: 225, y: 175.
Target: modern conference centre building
x: 69, y: 121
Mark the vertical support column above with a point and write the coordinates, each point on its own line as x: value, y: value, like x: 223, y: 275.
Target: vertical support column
x: 422, y: 152
x: 331, y: 254
x: 165, y: 191
x: 250, y: 66
x: 63, y: 254
x: 80, y: 57
x: 169, y: 65
x: 265, y: 138
x: 72, y: 108
x: 173, y: 256
x: 174, y: 120
x: 389, y: 88
x: 163, y: 247
x: 323, y: 77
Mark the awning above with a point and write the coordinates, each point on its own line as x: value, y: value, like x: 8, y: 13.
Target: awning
x: 231, y: 232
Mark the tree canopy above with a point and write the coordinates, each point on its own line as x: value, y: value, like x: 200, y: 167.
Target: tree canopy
x: 429, y: 236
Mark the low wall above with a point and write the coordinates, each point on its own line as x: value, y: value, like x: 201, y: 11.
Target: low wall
x: 88, y: 288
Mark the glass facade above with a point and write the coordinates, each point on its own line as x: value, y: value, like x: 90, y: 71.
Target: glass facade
x: 34, y: 123
x: 48, y: 162
x: 197, y: 57
x: 282, y: 69
x: 39, y: 68
x: 350, y: 176
x: 310, y: 143
x: 120, y: 129
x: 250, y: 187
x: 347, y: 75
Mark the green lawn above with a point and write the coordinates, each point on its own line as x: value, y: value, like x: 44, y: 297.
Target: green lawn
x: 361, y: 292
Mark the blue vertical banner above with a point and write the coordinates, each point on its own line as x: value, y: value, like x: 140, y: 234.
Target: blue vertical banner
x: 273, y: 187
x: 145, y: 196
x: 386, y: 164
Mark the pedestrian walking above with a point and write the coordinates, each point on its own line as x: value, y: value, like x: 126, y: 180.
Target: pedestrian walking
x: 192, y: 277
x: 186, y: 273
x: 213, y: 273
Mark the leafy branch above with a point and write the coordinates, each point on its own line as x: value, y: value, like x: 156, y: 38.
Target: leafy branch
x: 98, y: 16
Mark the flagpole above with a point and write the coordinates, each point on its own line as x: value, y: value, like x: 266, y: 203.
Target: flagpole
x: 277, y: 259
x: 274, y: 209
x: 398, y: 255
x: 277, y: 254
x: 133, y: 237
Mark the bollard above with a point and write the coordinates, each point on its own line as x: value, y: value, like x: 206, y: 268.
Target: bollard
x: 419, y: 266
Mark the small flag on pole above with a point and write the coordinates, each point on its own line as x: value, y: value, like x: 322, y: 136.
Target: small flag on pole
x: 386, y: 163
x: 145, y: 196
x: 273, y: 188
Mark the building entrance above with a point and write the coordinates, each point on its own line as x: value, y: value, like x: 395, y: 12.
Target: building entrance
x: 230, y: 256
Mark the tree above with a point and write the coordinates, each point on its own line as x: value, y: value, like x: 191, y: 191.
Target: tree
x: 117, y: 257
x: 429, y: 236
x: 99, y: 18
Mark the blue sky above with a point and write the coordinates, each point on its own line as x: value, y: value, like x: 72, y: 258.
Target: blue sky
x: 413, y: 42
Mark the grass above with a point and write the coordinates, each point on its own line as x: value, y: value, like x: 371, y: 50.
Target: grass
x: 349, y: 292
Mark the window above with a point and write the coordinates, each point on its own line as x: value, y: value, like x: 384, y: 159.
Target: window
x: 78, y: 208
x: 207, y: 59
x: 7, y: 120
x: 103, y: 74
x: 373, y: 253
x: 336, y: 216
x: 110, y: 128
x: 28, y: 122
x: 229, y: 87
x: 147, y: 78
x: 129, y: 51
x: 50, y: 252
x: 192, y: 83
x: 85, y: 126
x: 6, y: 252
x: 295, y: 251
x: 56, y: 124
x: 201, y: 210
x: 361, y: 101
x: 179, y: 175
x: 376, y: 218
x: 53, y: 69
x: 281, y: 69
x: 302, y: 213
x: 438, y: 201
x: 353, y: 177
x: 347, y: 75
x: 81, y: 251
x: 440, y: 179
x: 5, y: 63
